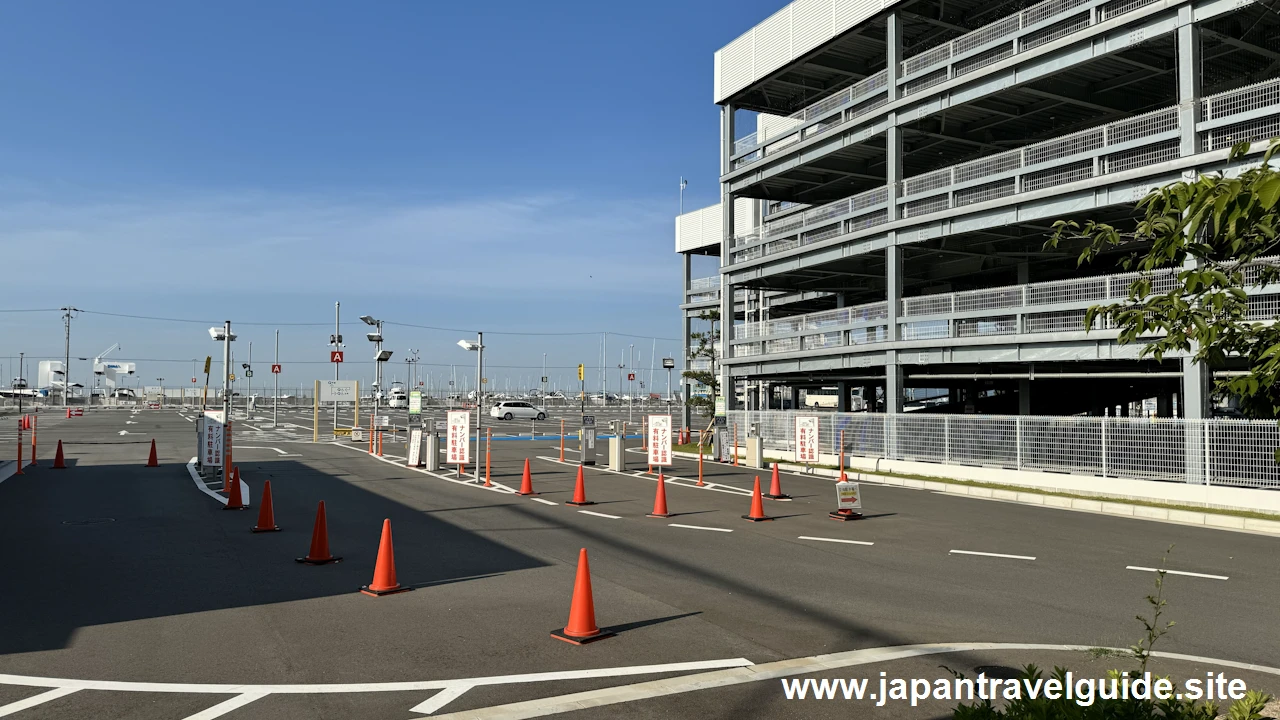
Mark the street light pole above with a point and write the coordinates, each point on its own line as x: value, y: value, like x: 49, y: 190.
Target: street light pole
x: 226, y: 371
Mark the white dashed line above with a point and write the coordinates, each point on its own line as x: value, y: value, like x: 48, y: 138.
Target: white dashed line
x: 544, y: 502
x: 1178, y: 572
x: 987, y: 554
x: 603, y: 515
x: 698, y: 527
x: 835, y: 540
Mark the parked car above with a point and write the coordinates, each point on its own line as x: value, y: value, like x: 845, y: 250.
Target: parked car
x: 512, y: 409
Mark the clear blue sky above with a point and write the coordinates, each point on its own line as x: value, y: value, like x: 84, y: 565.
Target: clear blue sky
x: 507, y: 166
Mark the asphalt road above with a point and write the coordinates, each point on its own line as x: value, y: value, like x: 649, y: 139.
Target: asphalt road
x: 116, y: 572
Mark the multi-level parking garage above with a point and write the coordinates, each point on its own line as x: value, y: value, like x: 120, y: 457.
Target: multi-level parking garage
x: 907, y: 162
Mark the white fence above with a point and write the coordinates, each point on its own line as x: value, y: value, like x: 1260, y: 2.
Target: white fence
x: 1239, y: 453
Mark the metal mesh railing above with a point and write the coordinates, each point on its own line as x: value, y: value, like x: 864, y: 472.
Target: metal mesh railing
x: 868, y: 86
x: 1120, y: 7
x: 1257, y: 130
x: 1237, y: 453
x: 818, y: 215
x: 1240, y: 100
x: 704, y: 283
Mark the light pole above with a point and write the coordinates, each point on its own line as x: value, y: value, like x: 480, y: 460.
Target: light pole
x: 683, y: 183
x: 380, y: 356
x: 161, y: 381
x: 631, y: 389
x: 669, y: 363
x: 478, y: 347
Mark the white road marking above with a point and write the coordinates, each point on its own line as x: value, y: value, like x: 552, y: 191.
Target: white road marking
x: 226, y: 706
x: 195, y: 476
x: 544, y: 502
x: 439, y: 700
x: 772, y: 671
x: 1178, y: 572
x: 73, y: 685
x: 698, y: 527
x: 123, y: 432
x: 600, y: 514
x: 835, y: 540
x: 497, y: 487
x: 259, y: 447
x: 35, y: 700
x: 987, y: 554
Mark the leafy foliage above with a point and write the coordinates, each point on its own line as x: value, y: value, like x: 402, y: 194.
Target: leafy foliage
x: 1200, y: 238
x: 705, y: 348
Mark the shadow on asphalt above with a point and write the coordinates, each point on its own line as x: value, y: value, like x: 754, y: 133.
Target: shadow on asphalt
x: 112, y: 543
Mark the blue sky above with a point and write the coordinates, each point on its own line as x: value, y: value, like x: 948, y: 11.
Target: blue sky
x: 507, y: 166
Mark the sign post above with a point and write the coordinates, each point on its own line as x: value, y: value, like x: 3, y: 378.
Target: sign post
x: 807, y: 440
x: 848, y: 502
x: 415, y: 447
x: 415, y: 402
x: 659, y: 440
x: 458, y: 442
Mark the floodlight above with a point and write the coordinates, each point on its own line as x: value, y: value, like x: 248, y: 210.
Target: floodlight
x: 368, y: 320
x: 374, y: 337
x: 383, y: 356
x: 468, y: 345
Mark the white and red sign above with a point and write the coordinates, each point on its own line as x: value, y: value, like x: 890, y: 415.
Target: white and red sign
x: 211, y: 439
x: 660, y: 440
x: 335, y: 356
x: 631, y: 376
x: 458, y: 437
x: 275, y: 369
x: 807, y: 438
x: 193, y: 381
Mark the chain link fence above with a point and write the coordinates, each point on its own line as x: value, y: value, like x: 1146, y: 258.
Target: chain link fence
x: 1239, y: 453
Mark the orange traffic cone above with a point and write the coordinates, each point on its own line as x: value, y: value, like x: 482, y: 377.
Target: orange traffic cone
x: 579, y: 492
x: 319, y: 554
x: 59, y: 463
x: 843, y: 477
x: 526, y: 481
x: 775, y: 487
x: 152, y: 461
x: 757, y: 505
x: 582, y: 610
x: 384, y: 572
x: 660, y: 499
x: 266, y: 514
x: 235, y: 500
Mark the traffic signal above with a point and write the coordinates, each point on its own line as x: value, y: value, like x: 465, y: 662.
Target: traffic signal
x: 582, y: 374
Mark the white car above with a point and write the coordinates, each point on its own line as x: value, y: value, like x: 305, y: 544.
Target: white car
x: 512, y: 409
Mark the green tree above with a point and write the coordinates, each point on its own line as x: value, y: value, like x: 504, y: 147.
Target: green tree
x: 705, y: 348
x: 1199, y: 243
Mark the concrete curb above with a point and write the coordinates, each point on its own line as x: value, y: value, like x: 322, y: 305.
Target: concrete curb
x: 1102, y: 507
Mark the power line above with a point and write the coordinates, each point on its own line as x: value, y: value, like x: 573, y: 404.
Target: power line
x: 388, y: 322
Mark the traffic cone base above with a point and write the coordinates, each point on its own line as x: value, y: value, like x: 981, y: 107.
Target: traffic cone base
x: 600, y: 635
x: 59, y: 462
x: 152, y: 461
x: 319, y: 561
x: 275, y: 528
x: 379, y: 593
x: 581, y: 628
x: 844, y: 515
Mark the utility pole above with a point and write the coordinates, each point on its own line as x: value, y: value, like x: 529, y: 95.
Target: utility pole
x: 226, y: 371
x: 21, y: 382
x: 66, y: 364
x: 248, y: 379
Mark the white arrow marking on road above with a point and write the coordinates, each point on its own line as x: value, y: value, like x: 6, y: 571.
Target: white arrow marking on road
x: 124, y: 432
